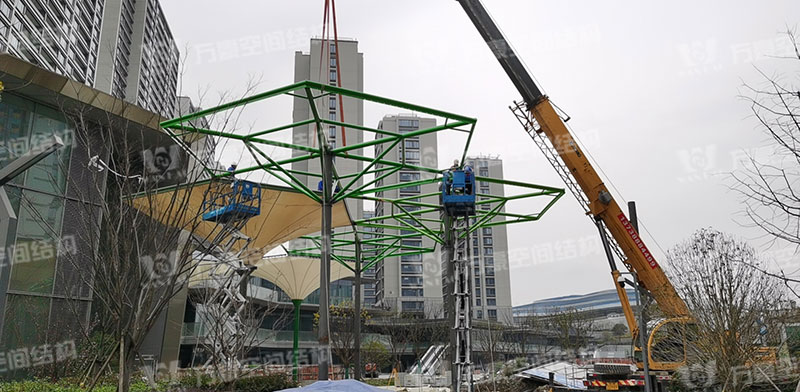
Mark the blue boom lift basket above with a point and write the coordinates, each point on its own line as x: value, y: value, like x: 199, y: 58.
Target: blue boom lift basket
x: 229, y: 202
x: 458, y: 192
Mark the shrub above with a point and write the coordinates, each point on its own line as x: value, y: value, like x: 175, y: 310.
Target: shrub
x: 267, y: 383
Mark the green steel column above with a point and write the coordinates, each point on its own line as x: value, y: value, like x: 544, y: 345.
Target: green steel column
x: 296, y: 338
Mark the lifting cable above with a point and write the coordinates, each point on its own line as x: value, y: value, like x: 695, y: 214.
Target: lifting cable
x: 329, y: 15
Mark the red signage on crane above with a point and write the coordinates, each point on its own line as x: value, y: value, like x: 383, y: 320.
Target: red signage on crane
x: 638, y: 241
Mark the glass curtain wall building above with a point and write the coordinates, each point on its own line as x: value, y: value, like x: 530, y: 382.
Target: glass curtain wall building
x: 36, y: 280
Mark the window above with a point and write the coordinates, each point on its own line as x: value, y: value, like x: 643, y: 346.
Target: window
x: 332, y: 131
x: 488, y: 260
x: 412, y: 155
x: 332, y: 116
x: 477, y: 293
x: 477, y: 282
x: 477, y: 302
x: 476, y: 262
x: 412, y: 243
x: 412, y: 143
x: 415, y: 306
x: 491, y: 302
x: 333, y: 76
x: 490, y: 282
x: 487, y: 241
x: 483, y: 164
x: 333, y: 48
x: 492, y: 314
x: 488, y: 251
x: 411, y: 281
x: 483, y: 184
x: 406, y: 176
x: 333, y: 62
x: 408, y: 123
x: 477, y: 272
x: 487, y: 231
x: 411, y: 258
x: 489, y: 271
x: 480, y: 314
x: 490, y: 292
x: 483, y: 172
x: 411, y: 292
x: 410, y: 189
x: 411, y: 268
x: 474, y: 242
x: 486, y: 207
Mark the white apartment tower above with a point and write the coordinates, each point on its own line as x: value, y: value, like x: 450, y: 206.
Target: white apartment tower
x: 410, y: 283
x: 320, y: 65
x: 492, y: 283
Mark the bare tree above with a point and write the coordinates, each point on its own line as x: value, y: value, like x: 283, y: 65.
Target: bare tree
x: 524, y: 336
x: 767, y: 187
x: 133, y: 233
x: 730, y: 302
x: 572, y: 327
x: 376, y: 353
x: 343, y: 338
x: 488, y: 339
x: 136, y: 253
x: 392, y: 328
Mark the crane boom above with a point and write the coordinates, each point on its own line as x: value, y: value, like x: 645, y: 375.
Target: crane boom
x: 574, y: 167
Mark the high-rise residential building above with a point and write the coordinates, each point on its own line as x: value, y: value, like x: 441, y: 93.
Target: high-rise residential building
x: 410, y: 283
x: 492, y: 283
x: 120, y: 47
x: 60, y: 36
x: 320, y: 65
x: 369, y: 283
x: 138, y: 59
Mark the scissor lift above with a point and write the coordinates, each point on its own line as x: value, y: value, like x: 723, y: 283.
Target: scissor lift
x: 230, y: 204
x: 458, y: 201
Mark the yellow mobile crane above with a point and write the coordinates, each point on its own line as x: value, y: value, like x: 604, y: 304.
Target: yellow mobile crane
x: 619, y: 235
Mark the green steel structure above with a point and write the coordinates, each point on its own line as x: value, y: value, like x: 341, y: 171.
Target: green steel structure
x: 364, y: 243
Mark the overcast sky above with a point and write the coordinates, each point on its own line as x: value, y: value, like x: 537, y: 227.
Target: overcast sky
x: 652, y: 91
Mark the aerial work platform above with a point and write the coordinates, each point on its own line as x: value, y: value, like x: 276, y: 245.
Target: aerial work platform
x: 240, y: 201
x: 458, y: 192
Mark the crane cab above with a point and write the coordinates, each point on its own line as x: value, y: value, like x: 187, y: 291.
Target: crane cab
x: 227, y: 202
x: 458, y: 192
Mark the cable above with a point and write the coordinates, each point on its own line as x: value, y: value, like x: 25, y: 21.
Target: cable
x: 606, y: 179
x: 96, y: 163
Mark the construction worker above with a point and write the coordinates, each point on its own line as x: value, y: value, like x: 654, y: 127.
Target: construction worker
x: 468, y: 179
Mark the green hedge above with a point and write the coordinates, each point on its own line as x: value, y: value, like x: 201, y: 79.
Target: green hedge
x: 190, y: 382
x: 46, y: 386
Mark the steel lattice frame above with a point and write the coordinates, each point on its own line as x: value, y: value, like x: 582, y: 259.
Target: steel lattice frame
x: 183, y: 131
x: 406, y: 214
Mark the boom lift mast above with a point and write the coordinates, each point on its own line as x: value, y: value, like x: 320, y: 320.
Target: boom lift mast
x: 551, y: 135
